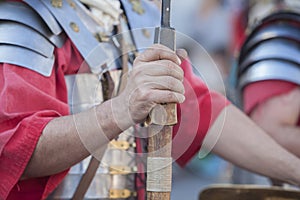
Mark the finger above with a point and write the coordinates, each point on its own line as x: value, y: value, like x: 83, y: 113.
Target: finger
x: 162, y: 68
x: 164, y: 83
x: 166, y: 96
x: 182, y: 54
x: 158, y: 52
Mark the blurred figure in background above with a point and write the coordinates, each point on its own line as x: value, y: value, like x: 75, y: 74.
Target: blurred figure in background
x: 212, y: 30
x: 268, y: 70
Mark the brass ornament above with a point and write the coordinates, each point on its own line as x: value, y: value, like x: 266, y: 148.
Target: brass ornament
x: 74, y: 27
x: 137, y: 7
x: 56, y: 3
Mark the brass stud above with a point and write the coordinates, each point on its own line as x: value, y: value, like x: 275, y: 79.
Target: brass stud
x: 72, y: 4
x: 146, y: 33
x: 74, y: 27
x: 56, y: 3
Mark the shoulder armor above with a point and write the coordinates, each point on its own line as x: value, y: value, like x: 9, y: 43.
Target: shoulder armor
x: 273, y: 31
x: 276, y: 49
x: 142, y: 24
x: 23, y: 35
x: 21, y: 13
x: 48, y: 24
x: 271, y: 51
x: 88, y: 46
x: 271, y: 70
x: 45, y: 15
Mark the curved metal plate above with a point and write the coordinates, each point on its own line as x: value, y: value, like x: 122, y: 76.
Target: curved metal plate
x: 45, y: 15
x: 247, y: 192
x: 277, y: 49
x: 270, y: 70
x: 18, y: 34
x: 282, y: 15
x: 90, y: 49
x: 21, y: 13
x: 289, y: 16
x: 271, y: 31
x: 19, y: 56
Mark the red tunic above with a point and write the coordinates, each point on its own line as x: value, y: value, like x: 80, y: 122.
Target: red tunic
x: 29, y: 101
x: 259, y: 92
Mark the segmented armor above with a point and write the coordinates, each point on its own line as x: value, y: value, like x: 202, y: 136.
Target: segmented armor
x: 271, y: 50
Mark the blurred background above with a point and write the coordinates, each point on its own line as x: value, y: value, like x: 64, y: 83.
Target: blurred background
x: 218, y: 26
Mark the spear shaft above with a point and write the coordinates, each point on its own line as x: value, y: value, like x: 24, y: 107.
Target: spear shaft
x: 162, y: 119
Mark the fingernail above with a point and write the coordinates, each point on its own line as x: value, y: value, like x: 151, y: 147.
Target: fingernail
x: 181, y: 98
x: 179, y: 60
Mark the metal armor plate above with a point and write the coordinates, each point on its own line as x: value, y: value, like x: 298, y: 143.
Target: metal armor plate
x: 247, y: 192
x: 271, y: 51
x: 18, y: 23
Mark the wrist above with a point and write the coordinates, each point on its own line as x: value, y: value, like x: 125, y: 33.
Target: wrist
x: 120, y: 113
x: 113, y: 117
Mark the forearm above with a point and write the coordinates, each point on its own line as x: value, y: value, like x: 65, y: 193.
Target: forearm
x: 288, y: 137
x: 243, y: 143
x: 279, y: 116
x: 67, y: 140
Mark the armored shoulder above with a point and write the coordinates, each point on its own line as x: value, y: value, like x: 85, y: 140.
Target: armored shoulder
x: 30, y: 32
x: 26, y: 38
x: 271, y: 51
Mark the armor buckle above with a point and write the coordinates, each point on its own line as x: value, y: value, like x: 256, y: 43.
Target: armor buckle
x: 123, y: 145
x: 121, y: 170
x: 117, y: 194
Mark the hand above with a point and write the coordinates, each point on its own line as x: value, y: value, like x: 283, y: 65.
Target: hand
x: 156, y: 78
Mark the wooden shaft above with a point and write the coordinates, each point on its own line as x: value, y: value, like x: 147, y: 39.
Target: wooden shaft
x: 160, y: 145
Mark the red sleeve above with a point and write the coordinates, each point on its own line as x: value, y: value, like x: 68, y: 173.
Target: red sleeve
x: 256, y: 93
x: 28, y: 102
x: 195, y: 116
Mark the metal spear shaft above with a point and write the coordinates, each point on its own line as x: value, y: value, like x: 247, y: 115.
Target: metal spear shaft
x: 162, y: 119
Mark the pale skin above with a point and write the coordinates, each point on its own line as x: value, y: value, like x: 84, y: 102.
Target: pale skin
x: 279, y: 116
x: 240, y: 141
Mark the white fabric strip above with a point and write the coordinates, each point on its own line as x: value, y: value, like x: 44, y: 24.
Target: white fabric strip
x: 159, y: 174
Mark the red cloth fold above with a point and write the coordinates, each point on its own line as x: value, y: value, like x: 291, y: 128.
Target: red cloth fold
x: 259, y: 92
x: 195, y: 116
x: 28, y: 102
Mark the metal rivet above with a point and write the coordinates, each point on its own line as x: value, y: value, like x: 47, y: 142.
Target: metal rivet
x: 74, y: 27
x: 72, y: 4
x: 56, y: 3
x: 146, y: 33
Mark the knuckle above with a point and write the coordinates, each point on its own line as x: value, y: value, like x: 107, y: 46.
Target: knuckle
x: 171, y: 96
x: 170, y: 82
x: 144, y: 93
x: 170, y: 67
x: 136, y: 73
x: 136, y: 61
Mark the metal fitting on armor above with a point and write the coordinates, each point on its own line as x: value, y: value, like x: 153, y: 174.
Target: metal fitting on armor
x: 121, y: 194
x: 56, y: 3
x: 74, y: 27
x: 137, y: 7
x: 122, y: 170
x: 124, y: 145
